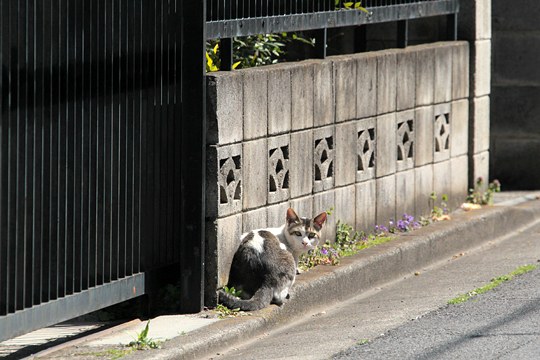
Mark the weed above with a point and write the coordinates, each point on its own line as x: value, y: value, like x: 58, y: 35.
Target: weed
x: 481, y: 197
x: 224, y: 312
x: 231, y: 290
x: 143, y: 342
x: 492, y: 284
x: 362, y: 342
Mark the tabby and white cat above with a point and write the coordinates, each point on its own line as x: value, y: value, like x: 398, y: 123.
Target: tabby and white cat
x: 265, y: 265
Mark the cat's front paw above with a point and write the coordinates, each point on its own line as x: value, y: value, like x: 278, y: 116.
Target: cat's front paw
x: 299, y: 271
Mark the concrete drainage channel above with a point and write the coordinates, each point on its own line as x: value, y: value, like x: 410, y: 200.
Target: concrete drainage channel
x: 325, y: 285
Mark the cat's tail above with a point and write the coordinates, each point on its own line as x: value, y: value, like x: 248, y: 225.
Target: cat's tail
x: 261, y: 298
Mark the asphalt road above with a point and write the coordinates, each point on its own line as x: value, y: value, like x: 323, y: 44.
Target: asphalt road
x: 408, y: 318
x: 501, y: 324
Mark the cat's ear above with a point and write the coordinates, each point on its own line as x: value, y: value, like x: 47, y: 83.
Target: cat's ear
x: 292, y: 217
x: 319, y: 220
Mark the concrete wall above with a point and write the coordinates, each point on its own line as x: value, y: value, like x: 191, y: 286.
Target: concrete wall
x: 370, y: 135
x: 515, y: 130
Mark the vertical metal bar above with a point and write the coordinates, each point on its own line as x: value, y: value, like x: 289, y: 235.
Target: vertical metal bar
x: 193, y: 143
x: 402, y: 33
x: 138, y: 143
x: 226, y: 54
x: 85, y: 15
x: 4, y: 149
x: 320, y: 43
x: 123, y: 156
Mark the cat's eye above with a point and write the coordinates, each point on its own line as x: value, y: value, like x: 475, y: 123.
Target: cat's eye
x: 297, y: 233
x: 312, y: 235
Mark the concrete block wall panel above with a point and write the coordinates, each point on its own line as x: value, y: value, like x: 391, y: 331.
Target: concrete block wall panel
x: 423, y: 186
x: 425, y: 74
x: 480, y: 124
x: 481, y: 68
x: 255, y: 162
x: 224, y: 103
x: 442, y: 91
x: 279, y: 99
x: 386, y: 199
x: 302, y: 95
x: 479, y: 168
x: 332, y: 137
x: 366, y: 85
x: 405, y: 198
x: 323, y: 93
x: 345, y: 87
x: 366, y: 153
x: 406, y: 79
x: 442, y: 132
x: 460, y: 70
x: 424, y: 135
x: 386, y: 145
x: 255, y: 104
x: 301, y: 163
x: 279, y: 169
x: 460, y: 128
x: 386, y: 81
x: 224, y: 186
x: 460, y: 178
x: 405, y: 139
x: 323, y: 158
x: 345, y: 156
x: 366, y: 205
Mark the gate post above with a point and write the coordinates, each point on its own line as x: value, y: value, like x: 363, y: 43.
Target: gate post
x: 193, y: 153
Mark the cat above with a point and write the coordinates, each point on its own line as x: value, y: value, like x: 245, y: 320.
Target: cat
x: 266, y: 263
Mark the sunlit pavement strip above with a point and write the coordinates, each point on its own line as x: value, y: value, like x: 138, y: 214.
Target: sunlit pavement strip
x: 46, y: 335
x: 161, y: 328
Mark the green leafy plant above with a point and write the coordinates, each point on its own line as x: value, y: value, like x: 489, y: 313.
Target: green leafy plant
x: 479, y: 196
x: 492, y: 284
x: 350, y: 5
x: 224, y: 312
x: 231, y: 290
x: 143, y: 342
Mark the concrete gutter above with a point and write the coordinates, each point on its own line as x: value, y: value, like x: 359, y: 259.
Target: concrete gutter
x: 325, y: 285
x: 373, y: 267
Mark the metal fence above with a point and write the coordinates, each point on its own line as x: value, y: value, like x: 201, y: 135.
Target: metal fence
x: 93, y: 139
x: 234, y: 18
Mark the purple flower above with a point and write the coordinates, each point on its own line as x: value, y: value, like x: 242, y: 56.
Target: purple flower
x: 324, y: 251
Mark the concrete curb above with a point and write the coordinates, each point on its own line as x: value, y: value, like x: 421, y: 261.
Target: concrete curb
x: 368, y: 269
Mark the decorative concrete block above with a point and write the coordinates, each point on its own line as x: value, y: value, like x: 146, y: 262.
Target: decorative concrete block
x: 345, y: 86
x: 442, y: 178
x: 323, y: 93
x: 323, y: 158
x: 301, y: 163
x: 324, y: 201
x: 386, y: 81
x: 366, y: 205
x: 443, y: 73
x: 222, y: 241
x: 481, y: 68
x: 365, y: 149
x: 405, y: 196
x: 460, y: 70
x: 255, y: 103
x: 423, y: 187
x: 255, y: 173
x: 224, y: 107
x: 278, y: 168
x: 480, y: 168
x: 303, y: 206
x: 405, y: 126
x: 460, y: 177
x: 424, y: 135
x: 276, y: 215
x: 460, y: 128
x: 224, y: 180
x: 386, y: 145
x: 366, y: 85
x: 254, y: 219
x: 406, y: 79
x: 302, y: 95
x: 425, y: 74
x: 279, y: 99
x: 386, y: 199
x: 480, y: 124
x: 441, y: 132
x: 345, y: 209
x: 345, y: 153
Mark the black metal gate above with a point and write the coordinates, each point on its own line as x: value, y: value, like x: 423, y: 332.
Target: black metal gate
x: 97, y: 139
